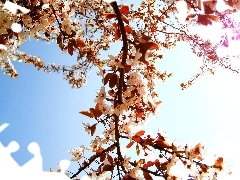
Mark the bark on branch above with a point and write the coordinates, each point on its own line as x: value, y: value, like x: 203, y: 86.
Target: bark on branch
x: 92, y: 160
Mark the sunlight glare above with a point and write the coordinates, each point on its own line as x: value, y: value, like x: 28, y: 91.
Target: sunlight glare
x: 221, y: 6
x: 182, y: 11
x: 85, y: 178
x: 234, y: 44
x: 213, y: 32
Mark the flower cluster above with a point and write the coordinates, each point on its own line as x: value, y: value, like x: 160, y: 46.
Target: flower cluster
x: 77, y: 153
x: 123, y: 106
x: 127, y: 98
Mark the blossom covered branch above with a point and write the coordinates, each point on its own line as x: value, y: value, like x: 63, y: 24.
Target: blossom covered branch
x: 128, y: 95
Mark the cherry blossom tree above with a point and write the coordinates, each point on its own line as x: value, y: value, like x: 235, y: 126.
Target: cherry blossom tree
x: 127, y: 97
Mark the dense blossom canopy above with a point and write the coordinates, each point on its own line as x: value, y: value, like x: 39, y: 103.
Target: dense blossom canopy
x: 127, y: 97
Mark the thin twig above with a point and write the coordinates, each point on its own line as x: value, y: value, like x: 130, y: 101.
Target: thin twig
x: 59, y: 24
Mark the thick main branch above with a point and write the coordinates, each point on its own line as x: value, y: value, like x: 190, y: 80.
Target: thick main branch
x: 121, y: 78
x: 124, y: 49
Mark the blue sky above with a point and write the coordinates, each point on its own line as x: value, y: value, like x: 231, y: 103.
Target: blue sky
x: 43, y: 108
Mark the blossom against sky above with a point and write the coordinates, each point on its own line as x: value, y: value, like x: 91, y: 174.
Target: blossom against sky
x: 197, y: 114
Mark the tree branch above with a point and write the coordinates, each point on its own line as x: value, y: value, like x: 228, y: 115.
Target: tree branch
x: 155, y: 173
x: 92, y: 159
x: 121, y: 79
x: 124, y: 49
x: 59, y: 24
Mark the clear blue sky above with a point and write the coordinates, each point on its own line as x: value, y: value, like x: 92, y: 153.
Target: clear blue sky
x: 43, y: 108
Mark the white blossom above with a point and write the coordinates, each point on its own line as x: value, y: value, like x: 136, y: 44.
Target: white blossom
x: 114, y: 61
x: 77, y: 153
x: 134, y: 79
x: 106, y: 109
x: 95, y: 144
x: 101, y: 95
x: 87, y: 127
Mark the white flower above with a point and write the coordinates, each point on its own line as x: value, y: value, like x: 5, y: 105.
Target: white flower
x: 128, y: 129
x: 114, y: 61
x: 101, y: 95
x: 106, y: 109
x: 66, y: 6
x: 107, y: 139
x: 126, y: 163
x: 135, y: 61
x: 137, y: 56
x: 77, y: 153
x: 87, y: 128
x: 195, y: 152
x: 174, y: 160
x: 134, y: 79
x: 133, y: 173
x: 109, y: 133
x: 95, y: 144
